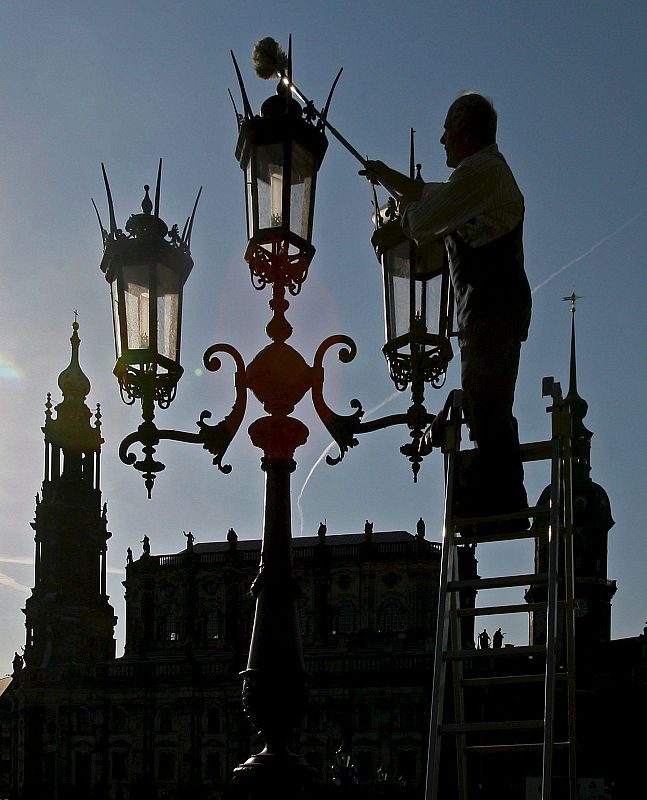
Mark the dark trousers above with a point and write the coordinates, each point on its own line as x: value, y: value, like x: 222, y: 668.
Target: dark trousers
x: 493, y: 483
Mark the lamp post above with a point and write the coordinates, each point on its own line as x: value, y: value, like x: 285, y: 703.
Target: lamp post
x: 279, y: 151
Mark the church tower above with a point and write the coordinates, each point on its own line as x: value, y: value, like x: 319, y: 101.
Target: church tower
x: 68, y: 617
x: 592, y: 522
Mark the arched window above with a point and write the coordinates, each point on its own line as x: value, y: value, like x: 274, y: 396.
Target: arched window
x: 315, y: 718
x: 213, y: 766
x: 392, y: 617
x: 345, y: 618
x: 213, y: 720
x: 408, y: 717
x: 169, y: 627
x: 165, y: 719
x: 364, y: 717
x: 365, y: 765
x: 82, y: 769
x: 119, y: 765
x: 83, y: 720
x: 213, y: 625
x: 166, y: 765
x: 119, y: 720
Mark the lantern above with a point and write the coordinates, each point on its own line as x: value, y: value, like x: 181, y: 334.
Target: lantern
x: 280, y: 152
x: 147, y: 267
x: 418, y: 304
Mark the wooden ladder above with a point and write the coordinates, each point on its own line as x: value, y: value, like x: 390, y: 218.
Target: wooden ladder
x: 468, y: 667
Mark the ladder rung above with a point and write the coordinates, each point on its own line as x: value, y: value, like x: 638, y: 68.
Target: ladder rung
x: 499, y: 652
x: 506, y: 680
x: 492, y: 727
x: 509, y: 536
x: 518, y: 608
x: 536, y: 451
x: 500, y: 582
x: 489, y: 749
x: 539, y: 512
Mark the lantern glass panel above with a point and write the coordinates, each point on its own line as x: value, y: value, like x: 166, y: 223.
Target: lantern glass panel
x: 269, y: 185
x: 396, y: 266
x: 428, y: 301
x: 168, y: 306
x: 302, y: 180
x: 114, y: 294
x: 137, y: 305
x: 429, y: 267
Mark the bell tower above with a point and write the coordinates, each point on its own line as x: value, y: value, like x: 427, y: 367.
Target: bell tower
x: 68, y: 617
x: 592, y: 521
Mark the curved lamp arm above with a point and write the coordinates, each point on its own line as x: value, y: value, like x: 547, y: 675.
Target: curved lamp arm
x: 341, y: 428
x: 214, y: 438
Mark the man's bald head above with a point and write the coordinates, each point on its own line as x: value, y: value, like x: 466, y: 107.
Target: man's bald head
x: 474, y: 117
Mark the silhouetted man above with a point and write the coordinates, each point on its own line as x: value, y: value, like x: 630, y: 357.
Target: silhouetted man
x: 479, y: 213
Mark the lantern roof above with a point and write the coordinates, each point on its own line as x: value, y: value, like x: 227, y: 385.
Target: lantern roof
x: 145, y: 229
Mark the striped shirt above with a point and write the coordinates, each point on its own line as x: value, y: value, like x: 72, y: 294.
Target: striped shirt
x: 481, y: 202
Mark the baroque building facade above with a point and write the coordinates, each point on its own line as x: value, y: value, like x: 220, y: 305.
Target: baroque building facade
x: 165, y: 719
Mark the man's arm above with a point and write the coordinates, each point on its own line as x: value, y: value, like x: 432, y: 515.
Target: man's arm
x: 396, y: 183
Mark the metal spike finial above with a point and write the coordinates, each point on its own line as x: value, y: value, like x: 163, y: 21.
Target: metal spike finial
x: 186, y: 233
x: 104, y: 232
x: 247, y: 108
x: 324, y: 112
x: 158, y: 185
x: 412, y: 155
x: 111, y: 207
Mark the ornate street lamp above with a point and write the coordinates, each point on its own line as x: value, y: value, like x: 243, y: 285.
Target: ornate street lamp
x: 280, y: 151
x: 147, y: 267
x: 417, y: 305
x: 418, y: 312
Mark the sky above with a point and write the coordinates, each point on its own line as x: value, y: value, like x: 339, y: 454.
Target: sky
x: 124, y: 84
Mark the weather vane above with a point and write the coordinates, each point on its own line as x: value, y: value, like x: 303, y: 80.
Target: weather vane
x: 572, y: 299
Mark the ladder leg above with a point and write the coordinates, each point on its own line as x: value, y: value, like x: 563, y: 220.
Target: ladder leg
x: 551, y: 622
x: 448, y: 562
x: 569, y: 587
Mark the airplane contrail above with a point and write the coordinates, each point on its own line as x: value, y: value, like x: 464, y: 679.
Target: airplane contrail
x: 327, y: 449
x: 590, y: 250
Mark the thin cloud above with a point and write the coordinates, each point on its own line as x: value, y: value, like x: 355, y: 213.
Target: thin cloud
x: 10, y: 583
x: 27, y: 560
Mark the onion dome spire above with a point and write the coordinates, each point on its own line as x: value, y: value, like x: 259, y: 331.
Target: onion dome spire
x: 73, y: 382
x: 72, y: 428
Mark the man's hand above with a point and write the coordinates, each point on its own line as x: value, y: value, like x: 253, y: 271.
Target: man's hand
x: 396, y: 184
x: 375, y: 171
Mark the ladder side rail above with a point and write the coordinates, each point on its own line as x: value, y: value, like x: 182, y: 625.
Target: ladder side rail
x: 569, y: 590
x: 450, y: 448
x: 456, y: 640
x: 553, y: 389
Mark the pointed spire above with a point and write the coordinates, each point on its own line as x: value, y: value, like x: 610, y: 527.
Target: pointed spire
x: 579, y: 407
